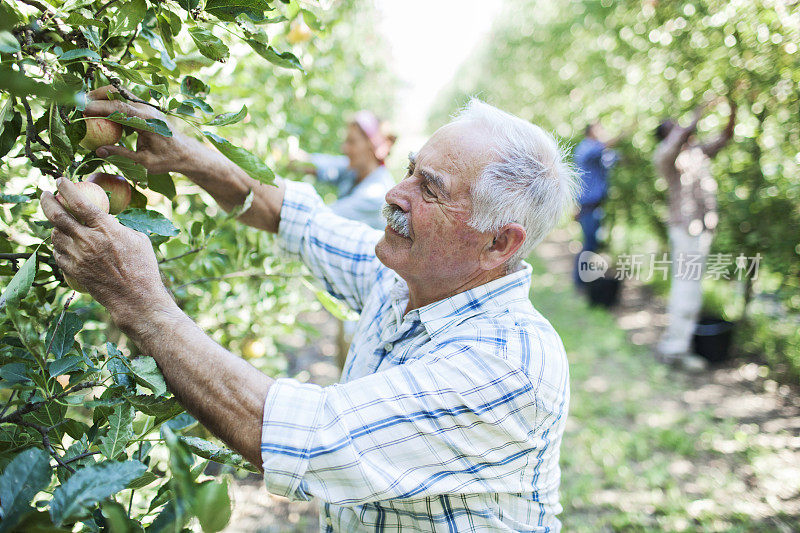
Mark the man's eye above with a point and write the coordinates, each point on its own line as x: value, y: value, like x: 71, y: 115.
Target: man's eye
x: 427, y: 190
x: 409, y: 170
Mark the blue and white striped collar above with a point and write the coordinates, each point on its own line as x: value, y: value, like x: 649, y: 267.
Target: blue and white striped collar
x: 498, y: 294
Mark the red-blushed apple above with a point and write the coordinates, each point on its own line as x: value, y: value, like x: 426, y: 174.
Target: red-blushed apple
x: 100, y: 132
x: 117, y: 187
x: 95, y: 195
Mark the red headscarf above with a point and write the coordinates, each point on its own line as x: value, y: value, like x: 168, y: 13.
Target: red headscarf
x: 375, y: 131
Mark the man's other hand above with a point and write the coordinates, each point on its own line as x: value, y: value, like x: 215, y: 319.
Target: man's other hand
x: 116, y: 264
x: 158, y: 154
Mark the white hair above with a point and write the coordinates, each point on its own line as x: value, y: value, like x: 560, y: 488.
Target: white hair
x: 530, y: 181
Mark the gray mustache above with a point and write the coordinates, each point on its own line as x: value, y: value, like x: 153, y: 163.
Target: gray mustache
x: 397, y: 219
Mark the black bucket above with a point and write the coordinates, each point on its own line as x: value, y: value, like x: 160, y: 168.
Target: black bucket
x: 712, y: 338
x: 604, y: 291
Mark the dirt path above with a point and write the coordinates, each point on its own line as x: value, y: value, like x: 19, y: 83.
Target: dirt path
x: 767, y: 413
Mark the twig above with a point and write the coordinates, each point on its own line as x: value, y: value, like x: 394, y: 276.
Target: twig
x: 79, y: 457
x: 60, y: 318
x: 46, y: 443
x: 125, y: 93
x: 8, y: 403
x: 103, y: 7
x: 238, y: 275
x: 175, y: 258
x: 16, y: 416
x: 128, y: 45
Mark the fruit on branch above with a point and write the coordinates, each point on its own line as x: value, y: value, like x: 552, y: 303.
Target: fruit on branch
x: 96, y: 196
x: 117, y: 187
x: 100, y: 132
x: 299, y: 33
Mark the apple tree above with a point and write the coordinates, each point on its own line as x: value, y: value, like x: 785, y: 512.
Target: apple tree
x: 90, y: 437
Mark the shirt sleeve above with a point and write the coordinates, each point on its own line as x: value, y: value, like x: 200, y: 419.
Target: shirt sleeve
x: 338, y: 251
x: 465, y: 423
x: 363, y: 204
x: 329, y: 167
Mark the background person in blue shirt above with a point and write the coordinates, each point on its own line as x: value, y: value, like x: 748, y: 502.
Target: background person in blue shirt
x: 593, y: 159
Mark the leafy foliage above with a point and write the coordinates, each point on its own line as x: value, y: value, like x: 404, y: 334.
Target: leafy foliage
x: 631, y: 64
x: 90, y: 437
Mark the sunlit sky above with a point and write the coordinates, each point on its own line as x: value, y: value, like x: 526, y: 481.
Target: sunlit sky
x: 429, y: 40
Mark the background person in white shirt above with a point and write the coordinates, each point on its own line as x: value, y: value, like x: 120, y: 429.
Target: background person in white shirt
x: 455, y: 393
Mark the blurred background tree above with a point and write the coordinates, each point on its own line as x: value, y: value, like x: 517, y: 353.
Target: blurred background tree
x: 631, y: 64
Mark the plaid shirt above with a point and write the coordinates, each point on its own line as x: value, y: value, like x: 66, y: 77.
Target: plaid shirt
x: 447, y: 419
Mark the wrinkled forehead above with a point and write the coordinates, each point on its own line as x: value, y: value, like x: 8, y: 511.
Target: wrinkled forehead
x: 459, y: 151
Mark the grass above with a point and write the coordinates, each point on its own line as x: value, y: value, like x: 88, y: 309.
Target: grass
x: 635, y: 457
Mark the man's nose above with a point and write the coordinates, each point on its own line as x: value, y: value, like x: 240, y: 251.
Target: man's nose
x: 399, y: 196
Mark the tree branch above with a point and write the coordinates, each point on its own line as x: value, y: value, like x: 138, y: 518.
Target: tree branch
x: 103, y: 7
x: 238, y: 275
x: 46, y: 443
x: 16, y: 416
x: 175, y: 258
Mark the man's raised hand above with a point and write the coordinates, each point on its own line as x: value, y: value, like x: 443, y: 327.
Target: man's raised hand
x: 158, y: 154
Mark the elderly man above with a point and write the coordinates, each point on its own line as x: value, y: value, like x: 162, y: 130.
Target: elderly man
x: 454, y: 395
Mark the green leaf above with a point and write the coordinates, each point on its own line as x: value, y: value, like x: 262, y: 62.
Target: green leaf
x: 285, y: 59
x: 60, y: 146
x: 335, y: 307
x: 209, y: 44
x: 117, y: 520
x: 129, y: 15
x: 191, y: 86
x: 229, y: 118
x: 162, y: 183
x: 161, y: 408
x: 78, y: 53
x: 147, y: 374
x: 89, y: 486
x: 153, y: 125
x: 64, y: 336
x: 77, y: 19
x: 21, y: 283
x: 18, y: 84
x: 198, y: 104
x: 212, y: 452
x: 10, y: 127
x: 64, y: 365
x: 120, y: 431
x: 148, y: 222
x: 50, y: 414
x: 120, y: 372
x: 8, y: 44
x: 13, y: 373
x: 228, y: 10
x: 212, y: 505
x: 165, y: 30
x: 14, y: 198
x: 27, y: 474
x: 247, y: 161
x: 130, y: 170
x: 143, y: 480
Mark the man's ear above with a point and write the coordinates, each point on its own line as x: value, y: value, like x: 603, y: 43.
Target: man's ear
x: 506, y: 242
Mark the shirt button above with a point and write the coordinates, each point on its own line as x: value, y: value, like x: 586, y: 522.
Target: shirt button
x: 388, y: 347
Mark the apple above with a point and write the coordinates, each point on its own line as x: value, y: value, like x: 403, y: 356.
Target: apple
x: 117, y: 187
x: 95, y: 195
x: 100, y: 132
x: 299, y: 33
